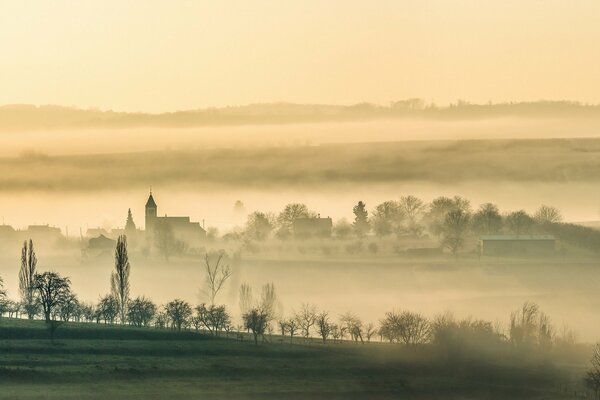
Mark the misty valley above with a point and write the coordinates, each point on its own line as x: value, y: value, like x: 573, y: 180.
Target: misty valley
x: 403, y: 283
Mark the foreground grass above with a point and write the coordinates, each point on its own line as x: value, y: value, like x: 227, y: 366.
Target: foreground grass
x: 87, y: 361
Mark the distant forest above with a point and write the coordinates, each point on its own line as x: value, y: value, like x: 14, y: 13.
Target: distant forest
x: 28, y: 117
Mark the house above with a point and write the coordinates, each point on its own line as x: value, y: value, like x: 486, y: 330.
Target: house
x: 101, y: 243
x: 43, y: 233
x: 505, y: 245
x: 312, y: 227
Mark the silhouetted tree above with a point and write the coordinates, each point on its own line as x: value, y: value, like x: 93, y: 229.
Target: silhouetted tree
x: 353, y: 325
x: 547, y: 215
x: 119, y: 279
x: 487, y: 220
x: 141, y: 311
x: 68, y: 307
x: 289, y: 215
x: 407, y: 328
x: 412, y: 207
x: 361, y: 219
x: 387, y: 218
x: 455, y: 229
x: 524, y: 324
x: 519, y: 222
x: 246, y: 299
x: 107, y: 309
x: 3, y: 298
x: 439, y: 209
x: 268, y: 301
x: 342, y: 228
x: 87, y: 312
x: 255, y: 320
x: 306, y: 318
x: 323, y: 326
x: 259, y: 225
x: 51, y: 289
x: 214, y: 318
x: 292, y: 328
x: 592, y: 378
x: 217, y: 273
x: 26, y: 275
x: 178, y: 313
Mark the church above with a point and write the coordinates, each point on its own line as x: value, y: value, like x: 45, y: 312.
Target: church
x: 183, y: 229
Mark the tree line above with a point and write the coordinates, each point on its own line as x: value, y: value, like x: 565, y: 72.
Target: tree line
x: 451, y: 219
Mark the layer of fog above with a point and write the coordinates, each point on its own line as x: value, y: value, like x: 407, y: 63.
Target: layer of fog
x: 366, y: 285
x: 91, y: 141
x: 75, y: 211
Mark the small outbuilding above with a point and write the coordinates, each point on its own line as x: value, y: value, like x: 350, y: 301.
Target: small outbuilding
x: 101, y: 243
x: 507, y: 245
x: 312, y: 227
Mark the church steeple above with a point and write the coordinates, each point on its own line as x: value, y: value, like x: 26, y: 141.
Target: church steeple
x: 151, y: 212
x: 151, y: 204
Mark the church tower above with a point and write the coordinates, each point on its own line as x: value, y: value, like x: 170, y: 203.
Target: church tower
x: 151, y: 212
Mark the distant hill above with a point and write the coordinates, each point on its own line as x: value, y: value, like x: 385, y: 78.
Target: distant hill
x: 30, y: 117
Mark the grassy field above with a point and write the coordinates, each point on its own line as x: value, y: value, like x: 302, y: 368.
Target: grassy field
x: 88, y: 361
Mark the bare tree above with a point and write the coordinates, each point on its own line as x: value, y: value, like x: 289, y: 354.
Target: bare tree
x: 246, y: 300
x: 26, y: 275
x: 323, y: 326
x: 352, y: 325
x: 259, y: 225
x: 306, y: 318
x: 547, y: 215
x: 370, y: 331
x: 4, y: 302
x: 283, y: 326
x: 387, y: 218
x: 289, y: 215
x: 119, y: 279
x: 217, y: 273
x: 454, y: 229
x: 407, y: 328
x: 292, y: 328
x: 523, y: 324
x: 519, y: 222
x: 592, y: 379
x: 412, y: 207
x: 268, y: 301
x: 487, y: 220
x: 335, y: 332
x: 51, y: 288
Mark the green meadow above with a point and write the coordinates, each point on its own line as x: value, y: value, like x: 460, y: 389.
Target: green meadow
x: 90, y: 361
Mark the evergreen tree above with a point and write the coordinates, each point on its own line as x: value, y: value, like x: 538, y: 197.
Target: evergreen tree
x: 26, y: 279
x: 361, y: 219
x: 120, y: 277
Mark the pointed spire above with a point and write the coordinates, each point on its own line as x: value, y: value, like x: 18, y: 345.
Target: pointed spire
x: 151, y: 202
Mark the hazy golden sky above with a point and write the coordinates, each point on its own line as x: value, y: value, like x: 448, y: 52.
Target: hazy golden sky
x: 167, y: 55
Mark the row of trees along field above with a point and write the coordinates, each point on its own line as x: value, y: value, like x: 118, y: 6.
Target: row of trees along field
x: 48, y: 295
x: 452, y: 220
